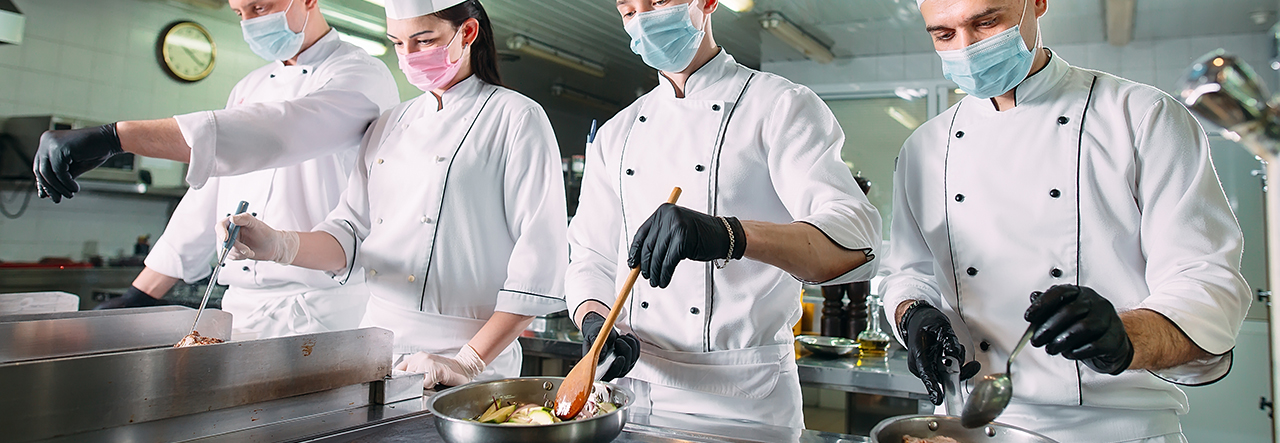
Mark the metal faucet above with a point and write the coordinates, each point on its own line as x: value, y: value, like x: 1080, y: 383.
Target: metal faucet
x: 1224, y: 90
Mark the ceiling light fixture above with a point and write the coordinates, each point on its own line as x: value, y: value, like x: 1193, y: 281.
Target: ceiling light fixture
x: 910, y: 94
x: 355, y: 19
x: 531, y: 47
x: 381, y: 3
x: 795, y: 37
x: 735, y: 5
x: 376, y: 49
x: 903, y: 118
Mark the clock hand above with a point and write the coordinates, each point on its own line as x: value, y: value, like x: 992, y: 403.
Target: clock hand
x: 191, y: 54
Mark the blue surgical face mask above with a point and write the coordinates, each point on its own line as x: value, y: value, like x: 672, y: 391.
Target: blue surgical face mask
x: 665, y: 38
x: 991, y: 67
x: 269, y: 36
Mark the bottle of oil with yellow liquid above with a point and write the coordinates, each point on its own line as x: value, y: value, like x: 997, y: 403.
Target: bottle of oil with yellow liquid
x: 873, y: 342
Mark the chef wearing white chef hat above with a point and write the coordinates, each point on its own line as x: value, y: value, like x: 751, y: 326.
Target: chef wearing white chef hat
x: 455, y: 213
x: 766, y: 197
x: 1077, y: 203
x: 285, y: 143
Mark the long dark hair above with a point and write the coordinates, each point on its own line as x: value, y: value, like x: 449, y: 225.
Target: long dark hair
x: 484, y: 52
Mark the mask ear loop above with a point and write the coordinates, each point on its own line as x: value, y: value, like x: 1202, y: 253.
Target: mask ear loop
x: 464, y: 46
x: 305, y: 20
x: 1038, y: 44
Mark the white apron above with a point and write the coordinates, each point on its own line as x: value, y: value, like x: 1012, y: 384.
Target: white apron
x: 294, y: 310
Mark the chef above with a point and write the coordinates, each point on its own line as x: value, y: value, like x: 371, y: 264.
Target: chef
x: 304, y: 112
x: 455, y: 212
x: 767, y: 203
x: 1074, y: 202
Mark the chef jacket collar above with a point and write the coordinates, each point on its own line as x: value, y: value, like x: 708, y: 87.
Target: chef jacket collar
x: 1041, y: 82
x: 720, y: 67
x: 465, y: 89
x: 319, y: 51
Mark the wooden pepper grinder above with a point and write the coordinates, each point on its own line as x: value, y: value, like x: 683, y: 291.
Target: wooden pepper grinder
x: 856, y: 312
x: 834, y: 321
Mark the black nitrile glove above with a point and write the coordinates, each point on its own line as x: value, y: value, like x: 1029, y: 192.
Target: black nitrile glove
x: 64, y: 155
x: 625, y: 348
x: 675, y: 233
x: 929, y: 338
x: 133, y: 298
x: 1081, y: 325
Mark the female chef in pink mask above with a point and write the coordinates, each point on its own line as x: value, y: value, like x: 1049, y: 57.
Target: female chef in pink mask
x: 456, y: 209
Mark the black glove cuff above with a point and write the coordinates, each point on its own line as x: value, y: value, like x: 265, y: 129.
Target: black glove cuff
x: 739, y: 238
x: 916, y: 307
x: 113, y: 137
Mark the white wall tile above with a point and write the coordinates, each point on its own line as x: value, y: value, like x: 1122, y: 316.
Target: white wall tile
x: 37, y: 89
x: 890, y: 41
x: 1138, y: 55
x: 11, y: 55
x: 39, y: 54
x: 1173, y: 53
x: 889, y: 68
x: 108, y: 69
x: 72, y: 97
x: 918, y: 66
x: 9, y: 80
x: 1103, y: 57
x: 76, y: 62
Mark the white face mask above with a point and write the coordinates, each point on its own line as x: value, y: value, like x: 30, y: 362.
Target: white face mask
x: 269, y: 36
x: 993, y: 66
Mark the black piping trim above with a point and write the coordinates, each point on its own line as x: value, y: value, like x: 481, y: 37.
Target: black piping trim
x: 435, y: 239
x: 868, y: 251
x: 355, y: 249
x: 1230, y: 354
x: 513, y: 291
x: 576, y: 308
x: 1079, y: 270
x: 622, y: 206
x: 713, y: 204
x: 1231, y: 363
x: 946, y: 203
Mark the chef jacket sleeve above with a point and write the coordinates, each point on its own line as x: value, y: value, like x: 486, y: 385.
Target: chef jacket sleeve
x: 1190, y: 239
x: 533, y: 194
x: 348, y: 222
x: 595, y: 234
x: 803, y: 142
x: 256, y: 136
x: 909, y: 264
x: 189, y: 242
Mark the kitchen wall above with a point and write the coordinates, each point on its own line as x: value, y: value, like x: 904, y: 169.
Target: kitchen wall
x: 96, y: 60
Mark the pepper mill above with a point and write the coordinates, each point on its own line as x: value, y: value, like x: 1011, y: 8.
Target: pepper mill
x: 856, y: 311
x: 833, y: 314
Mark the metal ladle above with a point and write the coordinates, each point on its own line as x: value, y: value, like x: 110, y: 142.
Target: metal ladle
x: 992, y: 394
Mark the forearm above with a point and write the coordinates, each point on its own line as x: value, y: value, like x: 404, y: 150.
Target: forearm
x: 498, y: 333
x: 154, y: 138
x: 320, y: 251
x: 154, y: 283
x: 1158, y: 343
x: 800, y: 249
x: 902, y: 310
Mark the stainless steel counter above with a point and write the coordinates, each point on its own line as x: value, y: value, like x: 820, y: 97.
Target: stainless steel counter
x: 94, y: 285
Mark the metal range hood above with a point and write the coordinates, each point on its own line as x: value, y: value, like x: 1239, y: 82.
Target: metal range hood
x: 12, y: 23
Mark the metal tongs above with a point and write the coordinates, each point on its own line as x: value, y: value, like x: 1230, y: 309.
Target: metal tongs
x: 233, y: 232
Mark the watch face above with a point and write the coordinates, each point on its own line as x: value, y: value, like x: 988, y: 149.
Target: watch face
x: 187, y: 51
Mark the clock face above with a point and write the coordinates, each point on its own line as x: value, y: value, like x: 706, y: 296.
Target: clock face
x: 187, y: 51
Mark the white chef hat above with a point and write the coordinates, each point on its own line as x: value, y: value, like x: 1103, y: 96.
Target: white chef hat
x: 920, y: 2
x: 402, y: 9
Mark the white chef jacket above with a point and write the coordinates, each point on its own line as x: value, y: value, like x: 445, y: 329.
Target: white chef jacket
x: 454, y: 214
x: 741, y: 143
x: 1091, y: 180
x: 335, y: 89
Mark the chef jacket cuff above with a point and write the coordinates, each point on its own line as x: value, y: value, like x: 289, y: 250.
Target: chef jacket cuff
x: 200, y: 130
x: 849, y: 241
x: 528, y: 303
x: 345, y: 234
x: 1209, y: 337
x: 168, y: 261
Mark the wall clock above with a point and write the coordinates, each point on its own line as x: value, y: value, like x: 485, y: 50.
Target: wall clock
x: 186, y: 51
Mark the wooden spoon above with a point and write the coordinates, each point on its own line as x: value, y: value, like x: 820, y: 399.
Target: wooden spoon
x: 576, y: 388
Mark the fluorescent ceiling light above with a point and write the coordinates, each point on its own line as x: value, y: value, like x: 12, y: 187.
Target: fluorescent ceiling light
x: 735, y: 5
x: 358, y: 21
x: 902, y: 117
x: 376, y: 49
x: 795, y: 37
x: 555, y: 55
x: 910, y: 94
x: 958, y: 91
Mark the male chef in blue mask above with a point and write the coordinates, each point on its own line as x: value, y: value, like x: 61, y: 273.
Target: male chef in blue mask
x: 767, y: 203
x: 285, y: 143
x: 1072, y: 202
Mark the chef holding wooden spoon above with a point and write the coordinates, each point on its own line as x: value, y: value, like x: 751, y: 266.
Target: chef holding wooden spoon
x: 765, y: 197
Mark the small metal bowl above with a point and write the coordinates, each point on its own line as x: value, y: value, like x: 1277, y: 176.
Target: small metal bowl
x: 828, y: 346
x: 892, y: 429
x: 455, y: 407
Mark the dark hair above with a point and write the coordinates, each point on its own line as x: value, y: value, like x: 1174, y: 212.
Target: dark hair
x: 484, y: 52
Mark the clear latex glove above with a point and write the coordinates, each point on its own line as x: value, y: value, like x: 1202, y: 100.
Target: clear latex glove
x: 449, y: 371
x: 257, y: 241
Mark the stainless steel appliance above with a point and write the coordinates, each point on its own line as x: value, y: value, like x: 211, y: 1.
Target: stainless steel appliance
x: 26, y: 132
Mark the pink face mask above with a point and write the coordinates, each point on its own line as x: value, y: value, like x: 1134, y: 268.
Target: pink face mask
x: 430, y: 69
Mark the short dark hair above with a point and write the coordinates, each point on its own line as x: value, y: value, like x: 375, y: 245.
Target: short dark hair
x: 484, y: 51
